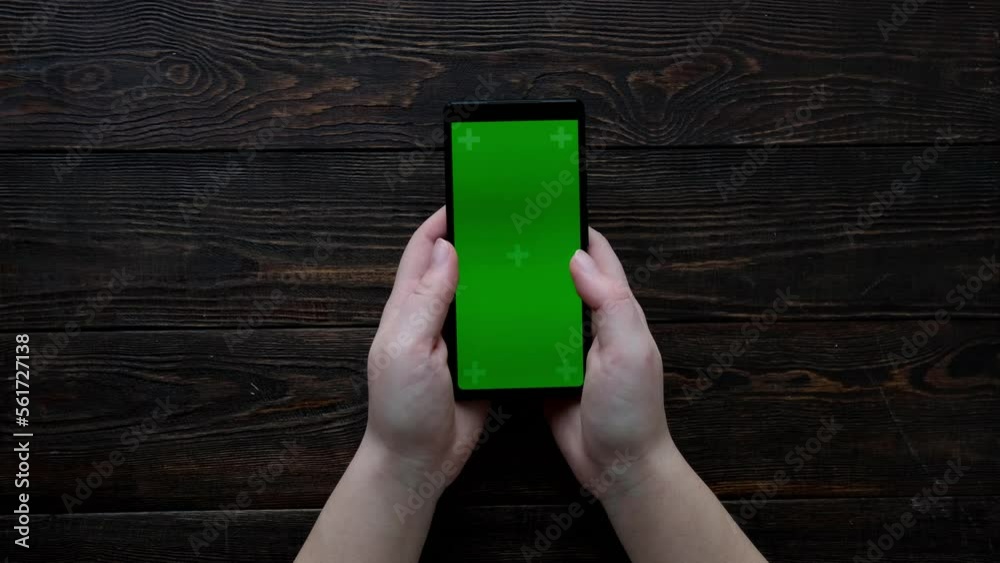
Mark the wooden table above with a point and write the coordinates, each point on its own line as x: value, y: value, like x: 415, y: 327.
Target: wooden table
x: 203, y: 204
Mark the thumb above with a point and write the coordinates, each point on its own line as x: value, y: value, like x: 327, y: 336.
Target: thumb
x: 424, y: 310
x: 617, y: 318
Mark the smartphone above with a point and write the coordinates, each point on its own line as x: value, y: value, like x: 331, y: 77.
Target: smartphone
x: 516, y: 193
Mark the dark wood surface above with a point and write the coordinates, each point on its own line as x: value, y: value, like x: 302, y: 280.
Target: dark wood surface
x: 325, y: 113
x: 361, y: 74
x: 201, y: 256
x: 234, y: 410
x: 814, y: 531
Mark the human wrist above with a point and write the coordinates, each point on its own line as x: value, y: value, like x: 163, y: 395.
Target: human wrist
x: 370, y: 511
x: 646, y: 476
x: 395, y: 476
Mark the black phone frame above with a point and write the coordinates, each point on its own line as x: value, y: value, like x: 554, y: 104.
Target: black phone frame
x: 522, y: 110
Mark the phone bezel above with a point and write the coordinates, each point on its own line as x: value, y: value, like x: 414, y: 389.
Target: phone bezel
x: 526, y: 110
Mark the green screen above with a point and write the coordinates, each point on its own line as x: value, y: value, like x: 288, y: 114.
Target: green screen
x: 516, y: 220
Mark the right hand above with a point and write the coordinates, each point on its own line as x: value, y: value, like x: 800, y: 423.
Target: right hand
x: 617, y: 431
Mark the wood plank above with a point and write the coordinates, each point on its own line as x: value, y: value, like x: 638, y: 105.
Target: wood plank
x: 183, y: 74
x: 327, y: 230
x: 960, y: 529
x: 235, y: 408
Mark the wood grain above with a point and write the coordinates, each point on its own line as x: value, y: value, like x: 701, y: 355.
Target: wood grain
x: 194, y: 75
x: 327, y: 230
x: 958, y: 529
x: 259, y: 166
x: 235, y: 408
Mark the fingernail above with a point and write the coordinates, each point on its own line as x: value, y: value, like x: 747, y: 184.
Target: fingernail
x: 440, y: 254
x: 585, y: 262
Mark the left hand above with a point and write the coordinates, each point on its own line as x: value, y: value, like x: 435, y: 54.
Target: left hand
x: 414, y: 422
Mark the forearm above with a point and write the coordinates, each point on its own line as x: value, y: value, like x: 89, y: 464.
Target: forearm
x: 671, y: 515
x: 367, y: 518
